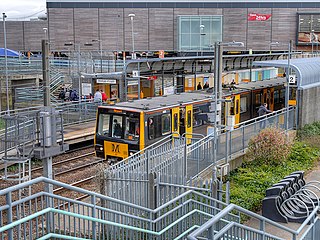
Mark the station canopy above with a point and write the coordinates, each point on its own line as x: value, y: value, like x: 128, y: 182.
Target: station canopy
x: 10, y: 53
x: 307, y: 70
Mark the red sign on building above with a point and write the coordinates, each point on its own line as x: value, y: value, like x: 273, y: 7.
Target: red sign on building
x: 258, y: 17
x: 152, y: 77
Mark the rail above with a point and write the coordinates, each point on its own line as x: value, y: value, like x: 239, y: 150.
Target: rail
x: 190, y: 215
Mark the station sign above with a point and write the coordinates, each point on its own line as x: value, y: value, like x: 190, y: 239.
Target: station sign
x: 152, y: 78
x: 135, y: 73
x: 131, y: 83
x: 108, y: 81
x: 292, y: 79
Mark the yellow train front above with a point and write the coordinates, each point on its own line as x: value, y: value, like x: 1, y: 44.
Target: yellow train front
x: 127, y: 127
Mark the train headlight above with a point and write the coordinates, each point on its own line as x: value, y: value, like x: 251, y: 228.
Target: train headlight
x: 131, y: 153
x: 101, y: 148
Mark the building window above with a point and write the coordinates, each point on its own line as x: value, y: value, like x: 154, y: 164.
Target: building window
x: 309, y: 29
x: 199, y: 32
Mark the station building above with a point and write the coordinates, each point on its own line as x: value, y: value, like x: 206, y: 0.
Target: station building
x: 171, y: 25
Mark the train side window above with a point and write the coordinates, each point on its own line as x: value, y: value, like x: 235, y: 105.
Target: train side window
x: 151, y: 127
x: 189, y: 118
x: 103, y: 125
x: 165, y: 123
x: 243, y: 104
x: 175, y: 122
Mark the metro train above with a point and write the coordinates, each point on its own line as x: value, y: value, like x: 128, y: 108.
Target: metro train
x: 125, y: 128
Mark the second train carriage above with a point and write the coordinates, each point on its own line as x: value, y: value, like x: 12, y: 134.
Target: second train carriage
x: 127, y: 127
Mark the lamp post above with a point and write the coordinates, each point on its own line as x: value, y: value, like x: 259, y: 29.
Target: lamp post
x: 4, y: 16
x: 45, y: 30
x: 201, y: 34
x: 100, y: 50
x: 218, y: 50
x: 79, y: 74
x: 312, y: 40
x: 131, y: 16
x: 287, y: 95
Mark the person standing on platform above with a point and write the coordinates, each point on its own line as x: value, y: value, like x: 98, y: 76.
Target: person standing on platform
x: 206, y: 85
x: 199, y: 87
x: 97, y: 97
x: 104, y: 96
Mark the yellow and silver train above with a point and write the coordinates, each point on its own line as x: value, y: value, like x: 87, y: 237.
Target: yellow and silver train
x: 127, y: 127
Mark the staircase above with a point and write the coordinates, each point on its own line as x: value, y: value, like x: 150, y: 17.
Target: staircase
x: 34, y: 95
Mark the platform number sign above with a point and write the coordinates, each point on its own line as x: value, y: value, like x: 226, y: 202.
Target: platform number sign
x: 292, y: 79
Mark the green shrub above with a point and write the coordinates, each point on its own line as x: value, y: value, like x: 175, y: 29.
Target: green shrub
x: 309, y: 130
x: 269, y: 146
x: 249, y: 182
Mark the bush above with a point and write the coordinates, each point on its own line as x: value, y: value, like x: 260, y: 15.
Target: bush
x: 309, y: 130
x: 269, y: 146
x: 249, y: 182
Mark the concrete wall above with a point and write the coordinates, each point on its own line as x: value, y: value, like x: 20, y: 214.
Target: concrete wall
x: 309, y: 108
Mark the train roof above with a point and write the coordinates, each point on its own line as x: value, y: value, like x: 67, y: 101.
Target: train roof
x: 262, y: 84
x: 163, y: 102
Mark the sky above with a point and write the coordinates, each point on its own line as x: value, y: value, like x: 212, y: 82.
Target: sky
x: 22, y: 9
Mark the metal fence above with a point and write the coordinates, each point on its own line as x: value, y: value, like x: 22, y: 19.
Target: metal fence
x: 191, y: 215
x: 200, y: 153
x: 43, y: 214
x: 179, y: 162
x: 71, y: 113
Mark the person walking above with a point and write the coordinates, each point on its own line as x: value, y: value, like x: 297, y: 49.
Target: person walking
x: 263, y: 110
x: 97, y: 97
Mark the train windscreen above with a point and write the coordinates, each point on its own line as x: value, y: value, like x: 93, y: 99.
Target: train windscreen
x: 118, y: 126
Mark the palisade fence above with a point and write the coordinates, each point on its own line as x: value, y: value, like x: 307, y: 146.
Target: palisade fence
x: 170, y: 165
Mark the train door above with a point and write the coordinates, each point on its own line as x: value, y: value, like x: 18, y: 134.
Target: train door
x: 271, y: 98
x: 232, y: 109
x: 236, y: 103
x: 188, y: 123
x: 175, y: 121
x: 265, y: 96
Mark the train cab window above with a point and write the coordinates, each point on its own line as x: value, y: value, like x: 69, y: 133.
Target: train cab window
x: 165, y: 123
x: 151, y: 128
x: 117, y: 127
x: 175, y: 122
x: 103, y: 124
x: 189, y: 117
x: 132, y: 129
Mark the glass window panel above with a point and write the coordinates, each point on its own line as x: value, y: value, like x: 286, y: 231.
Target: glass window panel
x: 185, y: 26
x: 117, y: 127
x: 195, y: 26
x: 166, y: 123
x: 104, y: 123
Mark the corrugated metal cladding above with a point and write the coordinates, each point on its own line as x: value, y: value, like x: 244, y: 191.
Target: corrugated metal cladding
x: 183, y: 4
x: 306, y: 70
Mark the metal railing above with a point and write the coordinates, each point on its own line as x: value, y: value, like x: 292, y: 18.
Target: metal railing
x: 72, y: 113
x: 216, y: 229
x: 101, y: 217
x: 190, y: 215
x: 230, y: 143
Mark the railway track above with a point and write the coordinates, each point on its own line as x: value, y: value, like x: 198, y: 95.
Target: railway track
x: 73, y: 170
